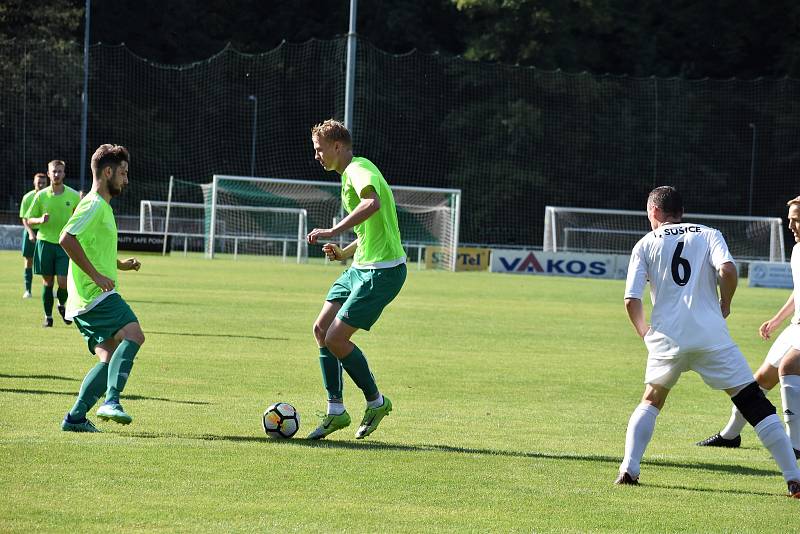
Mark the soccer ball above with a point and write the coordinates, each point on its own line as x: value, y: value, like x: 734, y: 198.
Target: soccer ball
x: 281, y: 420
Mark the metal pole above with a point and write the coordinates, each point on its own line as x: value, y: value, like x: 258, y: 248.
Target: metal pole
x: 85, y: 95
x: 752, y: 169
x: 166, y: 218
x: 350, y: 81
x: 254, y: 98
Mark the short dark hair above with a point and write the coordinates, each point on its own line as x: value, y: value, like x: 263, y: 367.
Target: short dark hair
x: 667, y: 199
x: 106, y: 155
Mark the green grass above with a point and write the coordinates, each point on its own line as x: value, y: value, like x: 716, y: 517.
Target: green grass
x: 511, y: 394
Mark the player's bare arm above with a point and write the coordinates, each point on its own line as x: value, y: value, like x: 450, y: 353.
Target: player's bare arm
x: 28, y: 228
x: 39, y: 220
x: 129, y: 264
x: 76, y: 253
x: 636, y: 315
x: 369, y: 205
x: 334, y: 252
x: 728, y: 279
x: 786, y: 311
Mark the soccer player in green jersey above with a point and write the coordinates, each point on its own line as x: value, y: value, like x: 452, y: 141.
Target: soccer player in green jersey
x: 51, y: 209
x: 359, y: 295
x: 108, y: 324
x: 28, y: 231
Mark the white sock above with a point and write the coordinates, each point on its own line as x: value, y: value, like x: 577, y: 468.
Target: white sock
x: 640, y: 430
x: 736, y: 423
x: 790, y: 398
x: 377, y: 402
x: 770, y: 432
x: 335, y: 407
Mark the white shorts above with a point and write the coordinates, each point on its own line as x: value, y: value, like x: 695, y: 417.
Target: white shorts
x: 720, y: 369
x: 788, y: 340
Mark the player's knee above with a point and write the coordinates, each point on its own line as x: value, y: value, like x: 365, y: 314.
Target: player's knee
x: 753, y: 404
x: 133, y: 332
x: 319, y: 333
x: 790, y: 364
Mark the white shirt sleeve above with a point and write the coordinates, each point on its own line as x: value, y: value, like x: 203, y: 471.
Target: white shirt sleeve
x: 637, y: 273
x: 718, y: 250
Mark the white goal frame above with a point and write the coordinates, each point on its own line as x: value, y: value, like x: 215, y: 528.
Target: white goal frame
x: 146, y: 206
x: 455, y: 218
x: 552, y: 230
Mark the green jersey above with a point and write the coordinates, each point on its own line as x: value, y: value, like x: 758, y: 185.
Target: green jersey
x: 95, y: 228
x: 58, y: 207
x: 25, y: 205
x: 379, y: 245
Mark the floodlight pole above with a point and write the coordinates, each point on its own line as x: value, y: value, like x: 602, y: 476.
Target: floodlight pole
x: 350, y: 80
x: 254, y: 98
x: 752, y: 168
x: 85, y: 95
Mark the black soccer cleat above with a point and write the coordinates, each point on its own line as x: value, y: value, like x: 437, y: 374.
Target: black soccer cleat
x: 718, y: 441
x: 624, y: 479
x: 47, y: 323
x: 794, y: 489
x: 62, y: 310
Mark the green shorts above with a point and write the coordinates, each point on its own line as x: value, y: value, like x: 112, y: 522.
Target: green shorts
x: 104, y: 320
x: 364, y: 293
x: 28, y: 247
x: 50, y: 259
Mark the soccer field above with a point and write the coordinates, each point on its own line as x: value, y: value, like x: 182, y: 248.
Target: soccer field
x: 511, y: 398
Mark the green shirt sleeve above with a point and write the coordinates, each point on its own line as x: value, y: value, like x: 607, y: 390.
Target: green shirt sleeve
x: 83, y: 218
x: 35, y: 209
x: 361, y: 178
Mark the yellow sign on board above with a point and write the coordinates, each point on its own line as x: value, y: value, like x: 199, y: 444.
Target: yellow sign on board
x: 468, y: 258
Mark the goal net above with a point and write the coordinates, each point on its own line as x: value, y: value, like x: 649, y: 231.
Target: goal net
x: 617, y: 231
x: 428, y: 217
x: 259, y: 230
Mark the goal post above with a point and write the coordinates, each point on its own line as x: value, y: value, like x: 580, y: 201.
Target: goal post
x: 617, y: 231
x: 190, y: 221
x: 427, y: 216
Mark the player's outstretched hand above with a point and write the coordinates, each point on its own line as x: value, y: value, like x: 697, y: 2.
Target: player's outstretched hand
x: 106, y: 284
x: 130, y: 264
x: 332, y: 251
x: 766, y: 329
x: 318, y: 233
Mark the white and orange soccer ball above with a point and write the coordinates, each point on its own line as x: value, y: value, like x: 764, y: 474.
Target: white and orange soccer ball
x: 281, y: 420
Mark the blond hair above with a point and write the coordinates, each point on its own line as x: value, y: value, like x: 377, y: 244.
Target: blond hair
x: 332, y: 130
x: 56, y: 163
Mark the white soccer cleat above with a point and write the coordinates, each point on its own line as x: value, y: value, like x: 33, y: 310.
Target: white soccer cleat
x: 26, y: 295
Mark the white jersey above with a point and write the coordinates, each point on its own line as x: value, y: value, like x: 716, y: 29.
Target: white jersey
x: 796, y: 281
x: 681, y: 261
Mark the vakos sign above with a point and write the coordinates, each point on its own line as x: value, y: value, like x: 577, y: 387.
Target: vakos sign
x: 553, y: 263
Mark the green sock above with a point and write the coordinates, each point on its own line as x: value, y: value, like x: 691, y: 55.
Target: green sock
x: 119, y: 368
x: 358, y: 369
x: 47, y: 300
x: 28, y: 279
x: 92, y: 388
x: 62, y: 295
x: 331, y: 373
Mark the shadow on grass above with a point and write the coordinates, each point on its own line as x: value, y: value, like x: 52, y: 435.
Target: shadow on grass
x: 424, y: 447
x: 161, y: 302
x: 74, y: 393
x: 190, y: 334
x: 41, y: 377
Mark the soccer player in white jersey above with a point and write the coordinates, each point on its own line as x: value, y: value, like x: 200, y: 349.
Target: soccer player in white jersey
x: 688, y: 330
x: 782, y: 363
